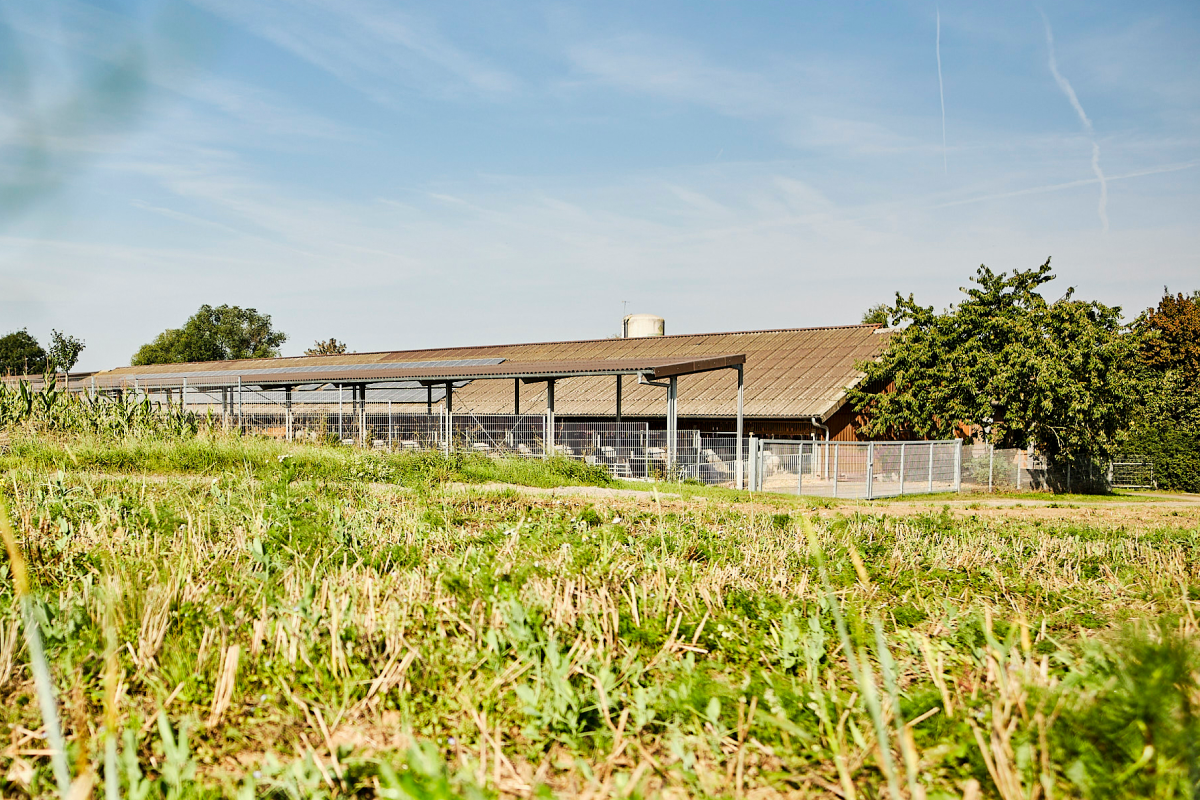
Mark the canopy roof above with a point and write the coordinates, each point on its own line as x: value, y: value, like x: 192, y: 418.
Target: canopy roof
x: 789, y: 373
x: 269, y: 373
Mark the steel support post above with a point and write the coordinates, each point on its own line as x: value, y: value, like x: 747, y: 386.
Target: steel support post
x: 241, y: 426
x: 429, y: 399
x: 548, y: 447
x: 341, y: 435
x: 449, y: 415
x: 389, y: 426
x: 516, y: 397
x: 902, y: 468
x: 183, y: 395
x: 619, y: 377
x: 991, y: 465
x: 931, y: 467
x: 835, y: 468
x: 672, y: 424
x: 752, y: 478
x: 800, y: 468
x: 740, y: 397
x: 958, y: 465
x: 287, y: 404
x: 870, y: 470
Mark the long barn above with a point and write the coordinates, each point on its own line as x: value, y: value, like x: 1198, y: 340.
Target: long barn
x: 795, y: 380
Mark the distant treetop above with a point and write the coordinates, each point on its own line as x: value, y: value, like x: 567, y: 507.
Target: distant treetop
x: 330, y: 348
x: 223, y: 333
x: 20, y: 354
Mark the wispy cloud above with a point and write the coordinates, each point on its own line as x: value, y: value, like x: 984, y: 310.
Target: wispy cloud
x: 370, y: 46
x: 1065, y: 85
x: 1057, y: 187
x: 808, y: 103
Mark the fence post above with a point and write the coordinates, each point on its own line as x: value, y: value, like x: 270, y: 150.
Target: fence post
x: 991, y: 464
x: 183, y: 399
x: 958, y: 465
x: 870, y: 470
x: 931, y: 446
x: 241, y: 427
x: 389, y: 426
x: 902, y: 468
x: 835, y: 467
x: 751, y: 479
x: 1017, y: 461
x: 800, y: 471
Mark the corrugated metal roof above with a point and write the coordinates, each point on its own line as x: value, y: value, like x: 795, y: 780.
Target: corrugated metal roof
x: 791, y: 373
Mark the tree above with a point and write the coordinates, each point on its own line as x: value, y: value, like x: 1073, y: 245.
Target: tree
x: 20, y: 354
x: 1171, y: 335
x: 1007, y: 365
x: 1166, y: 428
x: 878, y: 314
x: 330, y: 348
x: 64, y: 350
x: 224, y: 333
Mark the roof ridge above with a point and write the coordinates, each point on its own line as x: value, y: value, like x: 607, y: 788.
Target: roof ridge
x: 871, y: 325
x: 279, y: 359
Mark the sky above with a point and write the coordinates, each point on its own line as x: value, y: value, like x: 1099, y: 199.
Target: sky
x: 403, y: 175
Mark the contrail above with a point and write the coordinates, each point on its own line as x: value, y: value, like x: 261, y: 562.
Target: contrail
x: 1065, y: 85
x: 941, y: 91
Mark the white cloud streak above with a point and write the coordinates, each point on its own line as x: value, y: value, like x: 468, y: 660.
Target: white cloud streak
x: 372, y: 47
x: 1067, y: 89
x: 942, y: 92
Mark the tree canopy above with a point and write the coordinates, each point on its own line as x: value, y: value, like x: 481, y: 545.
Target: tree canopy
x: 1006, y: 364
x: 330, y: 348
x: 1166, y: 427
x: 64, y: 350
x: 20, y: 354
x: 223, y: 333
x: 877, y: 314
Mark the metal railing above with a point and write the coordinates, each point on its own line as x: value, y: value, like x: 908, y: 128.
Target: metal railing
x: 854, y: 470
x: 857, y: 470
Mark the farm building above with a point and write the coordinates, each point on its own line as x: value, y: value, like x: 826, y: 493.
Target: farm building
x: 795, y: 379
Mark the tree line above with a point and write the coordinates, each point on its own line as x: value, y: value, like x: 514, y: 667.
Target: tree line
x: 1068, y: 376
x: 213, y: 333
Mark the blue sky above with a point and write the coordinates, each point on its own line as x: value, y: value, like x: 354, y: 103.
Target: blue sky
x: 421, y: 174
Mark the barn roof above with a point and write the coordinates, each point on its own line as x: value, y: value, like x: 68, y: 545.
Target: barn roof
x: 789, y: 373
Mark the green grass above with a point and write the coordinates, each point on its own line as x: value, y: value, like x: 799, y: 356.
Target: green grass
x: 324, y: 620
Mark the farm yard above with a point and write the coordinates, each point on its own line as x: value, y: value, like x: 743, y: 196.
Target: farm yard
x: 235, y: 616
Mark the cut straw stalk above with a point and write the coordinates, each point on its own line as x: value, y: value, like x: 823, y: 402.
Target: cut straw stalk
x: 37, y: 656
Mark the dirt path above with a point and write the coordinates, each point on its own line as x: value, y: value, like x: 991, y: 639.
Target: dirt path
x: 596, y: 492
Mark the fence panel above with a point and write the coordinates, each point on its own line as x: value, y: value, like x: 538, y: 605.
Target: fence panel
x: 861, y: 470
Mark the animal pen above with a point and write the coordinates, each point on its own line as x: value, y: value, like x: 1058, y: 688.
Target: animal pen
x: 372, y: 406
x: 411, y: 406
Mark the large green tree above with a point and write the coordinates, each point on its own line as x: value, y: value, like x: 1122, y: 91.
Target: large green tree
x: 20, y: 354
x: 1166, y: 428
x: 221, y: 333
x: 1005, y: 364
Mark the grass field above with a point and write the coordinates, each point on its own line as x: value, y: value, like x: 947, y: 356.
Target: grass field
x: 250, y: 618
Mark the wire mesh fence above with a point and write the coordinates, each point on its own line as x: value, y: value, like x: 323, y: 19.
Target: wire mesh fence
x: 631, y: 449
x: 862, y: 470
x: 989, y: 469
